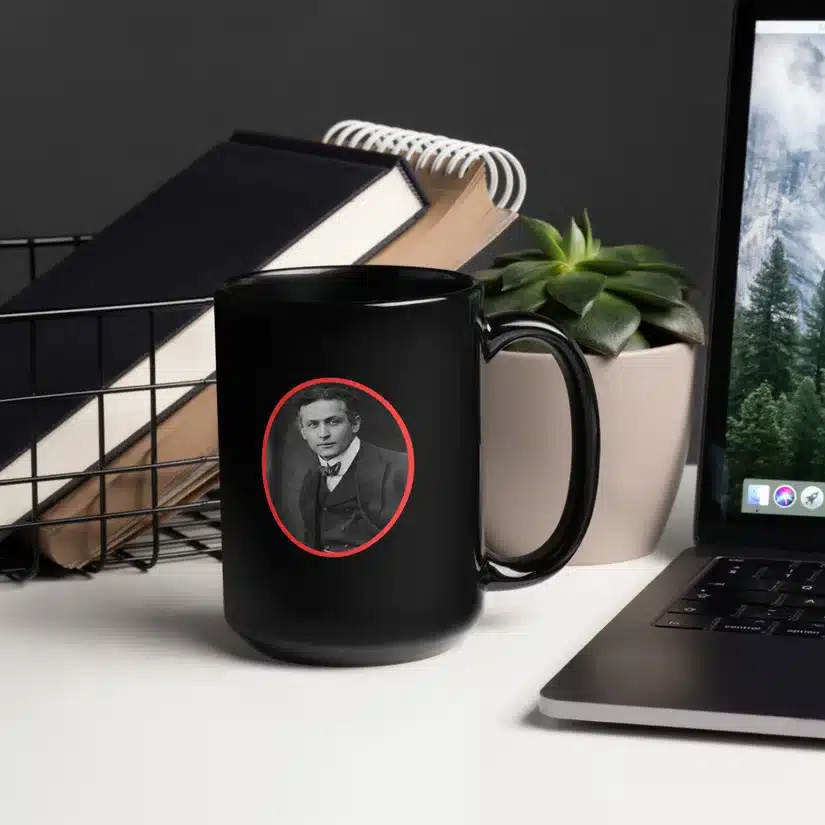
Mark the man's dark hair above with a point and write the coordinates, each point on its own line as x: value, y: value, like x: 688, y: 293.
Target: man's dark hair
x: 327, y: 392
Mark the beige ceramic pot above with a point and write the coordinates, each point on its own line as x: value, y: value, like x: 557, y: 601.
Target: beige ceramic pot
x: 645, y: 414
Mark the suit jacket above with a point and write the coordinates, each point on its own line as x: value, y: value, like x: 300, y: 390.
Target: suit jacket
x: 380, y: 481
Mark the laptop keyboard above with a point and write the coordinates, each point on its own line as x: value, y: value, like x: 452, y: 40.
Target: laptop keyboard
x: 756, y: 596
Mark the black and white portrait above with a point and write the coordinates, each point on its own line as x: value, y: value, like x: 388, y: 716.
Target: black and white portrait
x: 338, y: 466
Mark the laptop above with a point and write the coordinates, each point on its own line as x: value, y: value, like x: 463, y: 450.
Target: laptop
x: 730, y: 636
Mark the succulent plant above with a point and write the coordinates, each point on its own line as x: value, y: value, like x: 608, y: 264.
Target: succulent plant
x: 609, y: 299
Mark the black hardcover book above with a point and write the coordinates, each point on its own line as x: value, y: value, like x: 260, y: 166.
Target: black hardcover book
x: 252, y: 202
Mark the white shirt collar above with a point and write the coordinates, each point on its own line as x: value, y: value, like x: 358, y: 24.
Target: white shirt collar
x: 346, y: 458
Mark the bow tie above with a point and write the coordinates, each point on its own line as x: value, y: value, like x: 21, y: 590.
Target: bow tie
x: 330, y: 469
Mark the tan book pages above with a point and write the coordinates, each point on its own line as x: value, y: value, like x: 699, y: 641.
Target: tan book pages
x: 188, y: 433
x: 427, y: 242
x: 474, y: 223
x: 196, y: 487
x: 461, y: 222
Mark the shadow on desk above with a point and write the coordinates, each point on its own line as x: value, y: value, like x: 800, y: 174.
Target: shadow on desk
x: 108, y: 618
x: 186, y: 627
x: 204, y: 627
x: 538, y: 721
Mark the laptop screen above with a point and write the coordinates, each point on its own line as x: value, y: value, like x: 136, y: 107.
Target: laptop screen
x: 775, y: 445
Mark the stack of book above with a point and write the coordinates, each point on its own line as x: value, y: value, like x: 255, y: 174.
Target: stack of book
x: 362, y: 193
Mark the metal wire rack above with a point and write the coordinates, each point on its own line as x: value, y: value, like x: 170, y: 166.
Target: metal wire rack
x: 177, y: 532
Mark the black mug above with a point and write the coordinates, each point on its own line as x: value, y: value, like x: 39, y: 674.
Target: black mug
x: 350, y: 460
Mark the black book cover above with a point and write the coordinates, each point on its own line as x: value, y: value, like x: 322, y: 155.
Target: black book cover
x: 229, y: 212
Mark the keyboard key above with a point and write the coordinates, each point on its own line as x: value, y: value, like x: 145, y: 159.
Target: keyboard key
x: 810, y: 629
x: 715, y: 586
x: 812, y: 616
x: 708, y: 608
x: 755, y: 597
x: 699, y: 594
x: 733, y: 570
x: 762, y: 584
x: 724, y: 568
x: 690, y: 607
x: 817, y: 602
x: 769, y: 613
x: 685, y: 621
x: 774, y: 570
x: 797, y: 589
x: 742, y: 625
x: 803, y: 572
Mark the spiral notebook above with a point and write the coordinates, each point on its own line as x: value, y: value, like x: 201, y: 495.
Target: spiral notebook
x: 475, y: 191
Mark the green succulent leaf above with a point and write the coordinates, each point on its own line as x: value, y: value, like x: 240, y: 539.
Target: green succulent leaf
x: 660, y: 266
x: 556, y: 312
x: 542, y: 228
x: 574, y: 244
x: 689, y: 292
x: 636, y: 341
x: 576, y: 290
x: 681, y: 322
x: 525, y: 272
x: 637, y: 253
x: 490, y: 279
x: 613, y: 260
x: 527, y: 298
x: 547, y: 237
x: 603, y: 262
x: 587, y: 229
x: 607, y: 327
x: 518, y: 255
x: 655, y: 288
x: 528, y: 345
x: 486, y: 276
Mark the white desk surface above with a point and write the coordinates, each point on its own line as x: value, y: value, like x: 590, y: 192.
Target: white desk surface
x: 126, y: 699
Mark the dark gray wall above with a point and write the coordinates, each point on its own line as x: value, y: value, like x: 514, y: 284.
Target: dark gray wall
x: 616, y: 105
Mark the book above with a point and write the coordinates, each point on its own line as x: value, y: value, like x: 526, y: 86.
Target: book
x: 251, y: 202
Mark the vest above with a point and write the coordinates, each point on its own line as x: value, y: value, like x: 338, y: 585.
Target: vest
x: 340, y: 522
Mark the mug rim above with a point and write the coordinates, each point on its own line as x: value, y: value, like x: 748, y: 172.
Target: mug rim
x: 464, y: 284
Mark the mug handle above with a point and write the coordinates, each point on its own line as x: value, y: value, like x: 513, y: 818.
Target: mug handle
x: 497, y: 332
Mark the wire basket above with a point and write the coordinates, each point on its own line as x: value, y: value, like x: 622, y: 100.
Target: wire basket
x: 187, y: 531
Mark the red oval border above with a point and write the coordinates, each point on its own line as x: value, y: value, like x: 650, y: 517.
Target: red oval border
x: 410, y: 469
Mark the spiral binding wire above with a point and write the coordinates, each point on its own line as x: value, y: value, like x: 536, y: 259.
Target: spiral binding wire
x: 438, y: 152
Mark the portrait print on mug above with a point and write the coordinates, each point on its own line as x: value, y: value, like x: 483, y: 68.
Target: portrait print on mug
x: 338, y: 466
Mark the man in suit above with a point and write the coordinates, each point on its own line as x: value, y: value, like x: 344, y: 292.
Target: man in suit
x: 357, y: 486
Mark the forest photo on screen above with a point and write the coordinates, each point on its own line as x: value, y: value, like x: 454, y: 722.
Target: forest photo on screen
x: 776, y: 404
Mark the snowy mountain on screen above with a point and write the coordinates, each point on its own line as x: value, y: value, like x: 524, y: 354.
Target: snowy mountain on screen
x: 784, y: 193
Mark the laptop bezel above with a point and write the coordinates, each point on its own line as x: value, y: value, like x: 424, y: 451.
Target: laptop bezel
x: 712, y: 524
